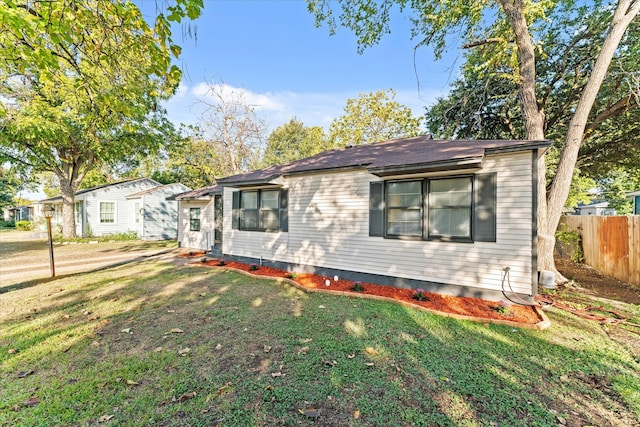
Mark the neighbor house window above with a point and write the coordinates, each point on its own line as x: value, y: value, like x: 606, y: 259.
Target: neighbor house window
x: 107, y: 212
x: 461, y: 208
x: 450, y: 208
x: 260, y: 210
x: 194, y: 219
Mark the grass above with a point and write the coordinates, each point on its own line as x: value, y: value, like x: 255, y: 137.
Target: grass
x: 101, y: 347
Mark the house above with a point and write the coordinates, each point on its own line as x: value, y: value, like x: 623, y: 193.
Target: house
x: 137, y: 205
x: 200, y: 219
x: 600, y: 207
x: 635, y: 195
x: 155, y: 216
x: 448, y: 216
x: 18, y: 213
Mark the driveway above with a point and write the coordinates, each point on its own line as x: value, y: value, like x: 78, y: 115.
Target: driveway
x: 25, y: 256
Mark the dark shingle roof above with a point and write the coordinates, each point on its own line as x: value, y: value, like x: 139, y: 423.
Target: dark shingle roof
x: 420, y: 151
x: 88, y: 190
x: 197, y: 193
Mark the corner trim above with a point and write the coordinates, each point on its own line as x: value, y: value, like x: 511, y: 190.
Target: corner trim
x: 534, y: 222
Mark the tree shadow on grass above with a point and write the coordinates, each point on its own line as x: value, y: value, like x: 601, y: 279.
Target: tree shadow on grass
x: 260, y: 351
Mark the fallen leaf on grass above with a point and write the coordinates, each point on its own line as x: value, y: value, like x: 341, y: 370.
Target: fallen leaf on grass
x: 184, y: 351
x: 267, y: 348
x: 372, y: 351
x: 218, y: 346
x: 351, y: 356
x: 223, y: 389
x: 370, y: 364
x: 171, y: 311
x: 126, y: 331
x: 310, y: 412
x: 131, y: 382
x: 184, y: 397
x: 174, y: 331
x: 203, y: 294
x: 356, y: 415
x: 105, y: 418
x: 303, y: 350
x: 32, y: 401
x: 330, y: 363
x: 277, y: 374
x: 157, y: 349
x: 12, y: 350
x: 305, y: 340
x: 24, y: 374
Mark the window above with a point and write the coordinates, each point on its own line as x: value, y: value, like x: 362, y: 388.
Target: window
x: 194, y: 219
x: 404, y: 208
x: 107, y: 212
x: 450, y: 208
x: 461, y: 208
x: 260, y: 210
x: 136, y: 212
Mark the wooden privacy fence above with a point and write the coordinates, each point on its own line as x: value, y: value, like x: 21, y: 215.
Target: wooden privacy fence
x: 611, y: 244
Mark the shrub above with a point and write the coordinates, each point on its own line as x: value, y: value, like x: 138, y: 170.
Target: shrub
x: 503, y: 307
x: 222, y: 262
x: 357, y: 287
x: 253, y: 267
x: 571, y: 241
x: 8, y: 224
x: 24, y: 225
x: 419, y: 295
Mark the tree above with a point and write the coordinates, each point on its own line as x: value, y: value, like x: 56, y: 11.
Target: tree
x: 483, y: 103
x: 373, y: 117
x: 504, y: 38
x: 292, y: 141
x: 81, y: 83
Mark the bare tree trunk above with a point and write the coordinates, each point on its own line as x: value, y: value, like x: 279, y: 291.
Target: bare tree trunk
x: 68, y: 191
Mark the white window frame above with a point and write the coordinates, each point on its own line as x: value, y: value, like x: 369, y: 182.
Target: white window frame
x: 115, y: 212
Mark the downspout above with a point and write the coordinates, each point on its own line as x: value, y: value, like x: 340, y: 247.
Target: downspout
x: 534, y: 222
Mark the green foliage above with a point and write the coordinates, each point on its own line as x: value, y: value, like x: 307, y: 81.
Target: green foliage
x: 572, y: 240
x: 81, y: 84
x: 8, y: 224
x: 24, y: 225
x: 373, y: 117
x: 294, y: 141
x: 357, y: 287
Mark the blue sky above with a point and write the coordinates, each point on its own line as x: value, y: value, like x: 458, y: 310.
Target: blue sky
x: 284, y: 66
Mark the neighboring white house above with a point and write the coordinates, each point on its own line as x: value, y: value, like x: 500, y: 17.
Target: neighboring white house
x: 448, y: 216
x: 200, y: 219
x: 635, y: 195
x: 596, y: 208
x: 154, y: 216
x: 18, y: 213
x: 138, y: 205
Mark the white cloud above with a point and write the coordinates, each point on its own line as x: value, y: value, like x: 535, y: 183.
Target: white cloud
x: 277, y: 108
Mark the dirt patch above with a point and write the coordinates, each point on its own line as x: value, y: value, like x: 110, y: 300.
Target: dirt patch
x: 597, y: 284
x: 463, y: 306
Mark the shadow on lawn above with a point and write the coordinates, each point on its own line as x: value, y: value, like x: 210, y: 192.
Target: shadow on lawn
x: 394, y: 365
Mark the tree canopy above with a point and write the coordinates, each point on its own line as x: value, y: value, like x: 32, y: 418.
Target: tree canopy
x: 292, y: 141
x: 373, y: 117
x: 81, y: 83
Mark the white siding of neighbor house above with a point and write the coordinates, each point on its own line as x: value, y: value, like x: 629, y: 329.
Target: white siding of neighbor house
x: 329, y: 227
x: 124, y: 211
x: 202, y: 239
x: 160, y: 219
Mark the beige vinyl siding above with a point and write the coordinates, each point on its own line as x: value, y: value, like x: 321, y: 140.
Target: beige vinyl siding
x: 328, y: 227
x: 202, y: 239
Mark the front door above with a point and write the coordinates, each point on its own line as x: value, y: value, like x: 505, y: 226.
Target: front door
x: 217, y: 226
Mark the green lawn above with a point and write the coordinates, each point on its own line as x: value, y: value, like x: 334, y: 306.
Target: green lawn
x: 107, y: 347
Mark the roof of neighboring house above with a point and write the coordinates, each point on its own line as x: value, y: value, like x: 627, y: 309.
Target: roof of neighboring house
x: 596, y: 204
x: 154, y: 189
x: 99, y: 187
x: 633, y: 193
x: 197, y: 193
x: 407, y: 155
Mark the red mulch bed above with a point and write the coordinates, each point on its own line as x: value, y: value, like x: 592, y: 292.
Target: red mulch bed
x: 465, y: 306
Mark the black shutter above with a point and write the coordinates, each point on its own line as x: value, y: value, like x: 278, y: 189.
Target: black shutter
x: 484, y: 214
x: 376, y: 208
x: 235, y: 217
x: 284, y: 209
